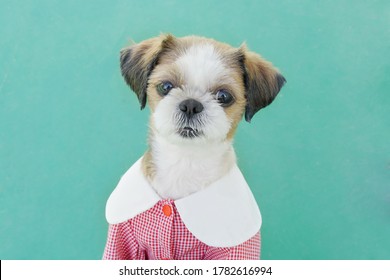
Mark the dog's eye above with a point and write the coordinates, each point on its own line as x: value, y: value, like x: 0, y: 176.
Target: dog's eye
x: 164, y: 88
x: 224, y: 97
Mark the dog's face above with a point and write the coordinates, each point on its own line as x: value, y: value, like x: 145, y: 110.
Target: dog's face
x: 198, y: 89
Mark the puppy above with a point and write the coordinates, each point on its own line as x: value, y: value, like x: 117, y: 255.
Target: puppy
x: 186, y: 198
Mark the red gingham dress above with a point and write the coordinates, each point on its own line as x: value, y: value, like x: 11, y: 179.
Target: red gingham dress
x: 160, y: 234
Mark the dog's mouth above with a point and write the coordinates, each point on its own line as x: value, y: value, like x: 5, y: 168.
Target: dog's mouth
x: 189, y: 132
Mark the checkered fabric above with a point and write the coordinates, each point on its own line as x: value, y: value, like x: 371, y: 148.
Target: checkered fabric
x: 159, y: 234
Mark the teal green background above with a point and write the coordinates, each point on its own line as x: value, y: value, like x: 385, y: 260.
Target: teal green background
x: 317, y: 159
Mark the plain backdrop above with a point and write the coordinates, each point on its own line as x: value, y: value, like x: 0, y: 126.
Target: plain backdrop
x: 317, y: 159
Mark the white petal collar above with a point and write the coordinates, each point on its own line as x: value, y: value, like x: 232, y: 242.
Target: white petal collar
x: 224, y: 214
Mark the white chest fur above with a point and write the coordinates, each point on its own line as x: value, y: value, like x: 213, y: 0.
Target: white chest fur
x: 185, y: 169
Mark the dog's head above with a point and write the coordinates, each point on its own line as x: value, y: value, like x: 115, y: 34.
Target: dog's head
x: 198, y: 89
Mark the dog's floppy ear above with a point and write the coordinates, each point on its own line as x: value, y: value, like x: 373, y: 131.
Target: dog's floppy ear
x: 138, y: 61
x: 262, y: 82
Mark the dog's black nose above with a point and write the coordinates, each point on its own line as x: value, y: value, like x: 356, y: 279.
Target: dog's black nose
x: 191, y: 107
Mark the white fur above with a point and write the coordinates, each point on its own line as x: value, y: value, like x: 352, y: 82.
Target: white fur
x: 201, y: 66
x: 212, y: 121
x: 185, y: 169
x: 186, y: 165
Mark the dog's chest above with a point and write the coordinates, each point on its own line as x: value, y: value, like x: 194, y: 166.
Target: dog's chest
x: 177, y: 178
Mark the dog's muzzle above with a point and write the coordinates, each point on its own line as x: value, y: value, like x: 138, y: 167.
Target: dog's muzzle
x: 190, y: 108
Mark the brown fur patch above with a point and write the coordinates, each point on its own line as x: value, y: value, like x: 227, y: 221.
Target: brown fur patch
x: 262, y: 81
x: 138, y: 61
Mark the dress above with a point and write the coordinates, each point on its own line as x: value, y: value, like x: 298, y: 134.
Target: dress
x: 221, y: 221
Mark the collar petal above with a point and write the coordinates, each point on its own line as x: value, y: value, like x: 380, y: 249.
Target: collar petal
x: 224, y: 214
x: 132, y: 196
